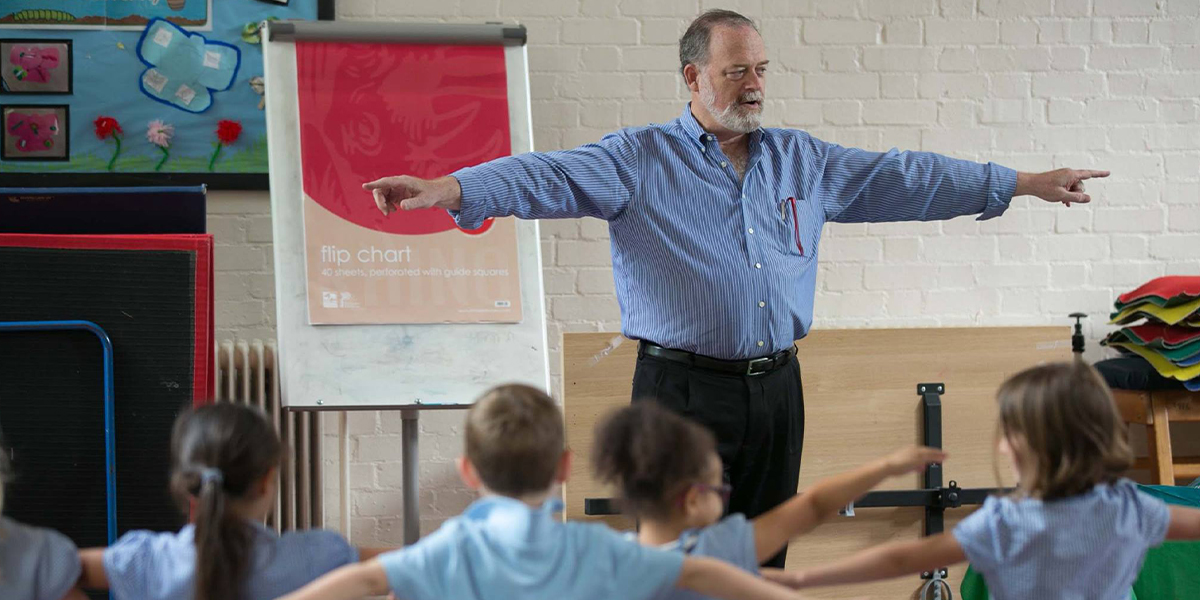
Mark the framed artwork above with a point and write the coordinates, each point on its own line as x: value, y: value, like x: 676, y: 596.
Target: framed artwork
x: 143, y: 112
x: 35, y: 66
x: 36, y: 132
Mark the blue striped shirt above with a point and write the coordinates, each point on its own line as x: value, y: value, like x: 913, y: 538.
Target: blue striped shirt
x: 150, y: 565
x: 704, y: 262
x: 1086, y: 547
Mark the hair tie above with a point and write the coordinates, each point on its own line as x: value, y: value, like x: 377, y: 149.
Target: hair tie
x: 211, y: 475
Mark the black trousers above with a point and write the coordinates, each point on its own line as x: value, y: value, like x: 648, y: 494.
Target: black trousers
x: 758, y: 421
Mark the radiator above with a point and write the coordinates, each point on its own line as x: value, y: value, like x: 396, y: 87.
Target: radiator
x: 247, y: 373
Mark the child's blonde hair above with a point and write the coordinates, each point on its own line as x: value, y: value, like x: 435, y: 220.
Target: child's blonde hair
x: 1063, y: 426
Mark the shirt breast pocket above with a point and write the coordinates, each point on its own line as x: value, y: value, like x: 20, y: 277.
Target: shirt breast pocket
x: 799, y: 228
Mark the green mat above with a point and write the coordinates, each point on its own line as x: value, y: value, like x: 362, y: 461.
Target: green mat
x: 1169, y: 573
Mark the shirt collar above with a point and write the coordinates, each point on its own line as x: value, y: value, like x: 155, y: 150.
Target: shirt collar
x: 690, y: 125
x: 697, y: 134
x: 513, y: 520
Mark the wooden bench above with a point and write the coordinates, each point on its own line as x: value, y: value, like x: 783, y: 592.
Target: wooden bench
x: 1157, y: 410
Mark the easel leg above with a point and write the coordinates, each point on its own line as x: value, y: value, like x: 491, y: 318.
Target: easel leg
x: 412, y: 508
x: 344, y: 472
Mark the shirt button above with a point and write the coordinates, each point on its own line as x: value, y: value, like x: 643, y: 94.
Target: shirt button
x: 751, y: 230
x: 703, y: 149
x: 761, y: 304
x: 722, y: 163
x: 743, y: 195
x: 760, y: 343
x: 757, y: 265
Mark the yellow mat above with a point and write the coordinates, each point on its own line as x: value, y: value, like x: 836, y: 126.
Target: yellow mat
x: 1170, y: 316
x: 1164, y: 367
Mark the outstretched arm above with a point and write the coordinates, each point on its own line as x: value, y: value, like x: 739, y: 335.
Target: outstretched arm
x: 367, y: 553
x: 803, y: 512
x: 1185, y: 524
x: 594, y: 180
x: 92, y: 577
x: 711, y: 577
x: 347, y: 583
x: 858, y: 186
x: 882, y: 562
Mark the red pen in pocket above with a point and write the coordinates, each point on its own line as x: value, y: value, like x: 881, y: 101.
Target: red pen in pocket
x: 796, y: 225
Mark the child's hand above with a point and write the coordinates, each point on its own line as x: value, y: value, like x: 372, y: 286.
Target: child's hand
x: 913, y: 459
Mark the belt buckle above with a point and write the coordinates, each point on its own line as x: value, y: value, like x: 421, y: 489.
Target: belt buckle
x: 750, y: 372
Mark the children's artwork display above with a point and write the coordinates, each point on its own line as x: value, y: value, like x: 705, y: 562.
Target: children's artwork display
x: 32, y: 66
x: 35, y: 132
x: 105, y: 14
x: 137, y: 92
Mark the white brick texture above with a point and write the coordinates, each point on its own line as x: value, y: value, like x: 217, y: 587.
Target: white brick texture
x: 1032, y: 84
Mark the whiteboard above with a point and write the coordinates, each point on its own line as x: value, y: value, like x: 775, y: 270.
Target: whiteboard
x: 342, y: 367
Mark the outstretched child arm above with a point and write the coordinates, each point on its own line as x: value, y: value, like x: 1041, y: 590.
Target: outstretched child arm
x: 803, y: 512
x: 1185, y: 524
x: 347, y: 583
x: 881, y: 562
x: 92, y: 576
x: 717, y: 579
x: 367, y: 553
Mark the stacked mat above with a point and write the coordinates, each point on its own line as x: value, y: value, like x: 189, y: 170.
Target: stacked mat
x: 1168, y: 335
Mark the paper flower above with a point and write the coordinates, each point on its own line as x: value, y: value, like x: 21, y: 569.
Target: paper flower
x: 107, y: 127
x: 227, y: 133
x: 160, y: 134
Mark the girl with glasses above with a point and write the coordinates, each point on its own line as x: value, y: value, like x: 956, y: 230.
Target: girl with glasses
x: 669, y: 476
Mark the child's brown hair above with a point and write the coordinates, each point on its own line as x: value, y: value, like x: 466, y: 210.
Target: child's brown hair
x: 652, y: 455
x: 515, y: 439
x: 1062, y: 420
x: 221, y: 452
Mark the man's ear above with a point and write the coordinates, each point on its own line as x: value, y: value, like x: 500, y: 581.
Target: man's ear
x: 691, y: 76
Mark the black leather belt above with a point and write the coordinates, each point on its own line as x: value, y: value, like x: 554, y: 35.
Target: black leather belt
x: 756, y: 366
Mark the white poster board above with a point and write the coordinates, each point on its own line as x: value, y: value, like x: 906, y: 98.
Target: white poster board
x: 392, y: 366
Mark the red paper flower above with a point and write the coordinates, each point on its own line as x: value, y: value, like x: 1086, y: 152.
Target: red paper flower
x: 228, y: 131
x: 105, y: 126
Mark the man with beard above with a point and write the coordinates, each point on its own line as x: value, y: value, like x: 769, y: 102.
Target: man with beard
x: 715, y: 222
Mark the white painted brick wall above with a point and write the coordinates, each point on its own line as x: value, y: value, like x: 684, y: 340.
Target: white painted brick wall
x: 1033, y: 84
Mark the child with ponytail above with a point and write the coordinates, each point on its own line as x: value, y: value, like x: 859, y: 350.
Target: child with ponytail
x: 225, y: 464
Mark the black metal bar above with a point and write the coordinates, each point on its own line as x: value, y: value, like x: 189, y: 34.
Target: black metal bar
x: 935, y: 497
x: 931, y: 405
x: 594, y: 507
x: 891, y: 498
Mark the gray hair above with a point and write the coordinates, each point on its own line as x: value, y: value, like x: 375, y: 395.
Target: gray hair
x: 693, y: 46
